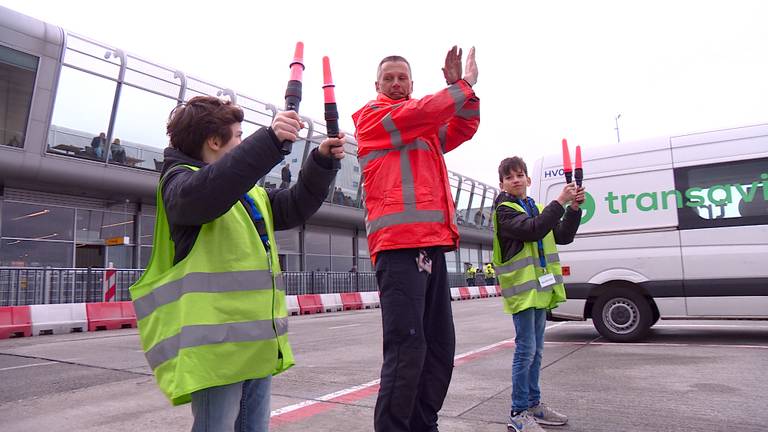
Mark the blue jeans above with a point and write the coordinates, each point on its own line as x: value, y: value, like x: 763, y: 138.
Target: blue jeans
x: 238, y: 407
x: 529, y: 346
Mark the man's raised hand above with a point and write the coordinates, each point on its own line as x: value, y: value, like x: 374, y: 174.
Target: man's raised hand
x: 452, y: 68
x: 470, y: 74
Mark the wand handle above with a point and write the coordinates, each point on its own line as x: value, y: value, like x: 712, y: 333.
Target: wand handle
x: 331, y: 112
x: 293, y: 91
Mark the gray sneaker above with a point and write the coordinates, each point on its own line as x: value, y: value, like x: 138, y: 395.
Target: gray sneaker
x: 545, y: 415
x: 523, y: 422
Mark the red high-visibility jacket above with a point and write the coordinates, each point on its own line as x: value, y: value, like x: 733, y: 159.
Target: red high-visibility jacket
x: 401, y: 143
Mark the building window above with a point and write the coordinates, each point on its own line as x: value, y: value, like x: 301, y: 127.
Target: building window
x: 719, y: 195
x: 81, y: 115
x: 140, y: 126
x: 17, y: 81
x: 37, y: 221
x: 30, y: 253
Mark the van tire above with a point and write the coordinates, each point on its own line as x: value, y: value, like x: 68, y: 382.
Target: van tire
x: 622, y: 315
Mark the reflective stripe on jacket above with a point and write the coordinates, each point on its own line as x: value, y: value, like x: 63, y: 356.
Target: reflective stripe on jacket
x: 218, y: 316
x: 518, y: 277
x: 408, y: 200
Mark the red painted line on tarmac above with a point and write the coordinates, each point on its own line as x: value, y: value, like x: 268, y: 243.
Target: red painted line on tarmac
x: 327, y: 402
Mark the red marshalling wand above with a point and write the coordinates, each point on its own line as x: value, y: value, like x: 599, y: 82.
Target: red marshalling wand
x: 567, y: 170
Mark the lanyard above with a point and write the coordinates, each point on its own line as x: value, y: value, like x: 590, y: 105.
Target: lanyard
x: 258, y: 220
x: 532, y: 210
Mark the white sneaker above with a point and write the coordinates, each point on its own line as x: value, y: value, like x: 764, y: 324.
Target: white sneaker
x: 545, y: 415
x: 523, y: 422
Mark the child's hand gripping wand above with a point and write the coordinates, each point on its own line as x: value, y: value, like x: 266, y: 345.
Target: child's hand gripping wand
x: 331, y: 113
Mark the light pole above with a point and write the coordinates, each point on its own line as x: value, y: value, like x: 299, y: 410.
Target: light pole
x: 616, y: 120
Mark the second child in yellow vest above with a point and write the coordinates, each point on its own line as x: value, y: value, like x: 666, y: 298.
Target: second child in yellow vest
x: 211, y: 304
x: 528, y: 270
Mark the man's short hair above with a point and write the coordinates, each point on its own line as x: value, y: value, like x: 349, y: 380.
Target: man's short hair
x: 508, y: 165
x: 200, y: 118
x: 392, y: 58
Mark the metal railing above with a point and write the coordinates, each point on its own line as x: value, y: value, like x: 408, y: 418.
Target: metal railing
x: 27, y: 286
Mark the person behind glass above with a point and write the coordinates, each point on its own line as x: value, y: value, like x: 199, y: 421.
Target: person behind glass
x: 213, y: 219
x: 410, y: 223
x: 285, y: 174
x: 98, y: 143
x: 528, y: 271
x: 117, y: 151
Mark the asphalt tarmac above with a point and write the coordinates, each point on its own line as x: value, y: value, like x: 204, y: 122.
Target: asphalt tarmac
x: 686, y: 376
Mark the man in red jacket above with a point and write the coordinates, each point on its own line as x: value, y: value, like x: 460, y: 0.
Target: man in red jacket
x: 410, y: 220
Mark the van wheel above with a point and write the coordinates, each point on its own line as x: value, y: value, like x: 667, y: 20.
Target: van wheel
x: 622, y: 315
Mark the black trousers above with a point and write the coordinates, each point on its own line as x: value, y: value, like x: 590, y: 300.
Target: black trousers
x: 419, y: 340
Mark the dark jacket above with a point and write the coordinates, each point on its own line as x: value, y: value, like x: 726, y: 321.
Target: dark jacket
x: 514, y: 228
x: 193, y: 198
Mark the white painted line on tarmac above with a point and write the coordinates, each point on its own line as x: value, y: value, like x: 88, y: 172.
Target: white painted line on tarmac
x: 27, y: 365
x: 343, y: 326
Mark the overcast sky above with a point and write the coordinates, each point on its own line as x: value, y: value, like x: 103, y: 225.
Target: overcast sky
x: 548, y: 69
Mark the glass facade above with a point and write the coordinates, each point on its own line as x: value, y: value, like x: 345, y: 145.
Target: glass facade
x: 17, y: 81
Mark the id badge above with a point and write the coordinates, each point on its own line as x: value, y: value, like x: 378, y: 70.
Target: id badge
x: 546, y: 280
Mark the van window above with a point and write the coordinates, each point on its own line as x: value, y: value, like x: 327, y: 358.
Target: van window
x: 723, y: 194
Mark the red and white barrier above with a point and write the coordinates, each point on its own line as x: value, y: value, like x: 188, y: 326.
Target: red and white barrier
x: 110, y: 284
x: 331, y: 302
x: 310, y: 304
x: 370, y: 299
x: 35, y: 320
x: 110, y: 316
x: 15, y: 321
x: 352, y: 301
x: 58, y: 318
x: 292, y: 304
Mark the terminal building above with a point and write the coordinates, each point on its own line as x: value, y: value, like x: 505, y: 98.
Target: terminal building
x: 82, y: 133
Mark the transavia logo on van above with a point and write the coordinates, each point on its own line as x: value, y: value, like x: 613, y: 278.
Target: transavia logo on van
x: 713, y: 202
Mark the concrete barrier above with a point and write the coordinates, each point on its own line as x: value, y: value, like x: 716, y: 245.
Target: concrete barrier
x: 58, y: 318
x: 464, y: 293
x: 455, y: 294
x: 110, y: 316
x: 310, y: 303
x: 15, y: 321
x: 370, y: 299
x: 332, y: 302
x: 292, y: 304
x: 352, y: 301
x: 474, y: 292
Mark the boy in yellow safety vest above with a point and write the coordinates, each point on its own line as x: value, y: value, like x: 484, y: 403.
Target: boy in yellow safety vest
x: 528, y: 270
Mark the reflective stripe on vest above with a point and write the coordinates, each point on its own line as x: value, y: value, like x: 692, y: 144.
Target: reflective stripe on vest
x: 409, y: 214
x: 523, y: 262
x: 203, y: 283
x: 442, y: 136
x: 531, y: 284
x: 197, y: 335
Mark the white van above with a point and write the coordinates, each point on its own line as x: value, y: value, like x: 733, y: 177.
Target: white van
x: 673, y: 228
